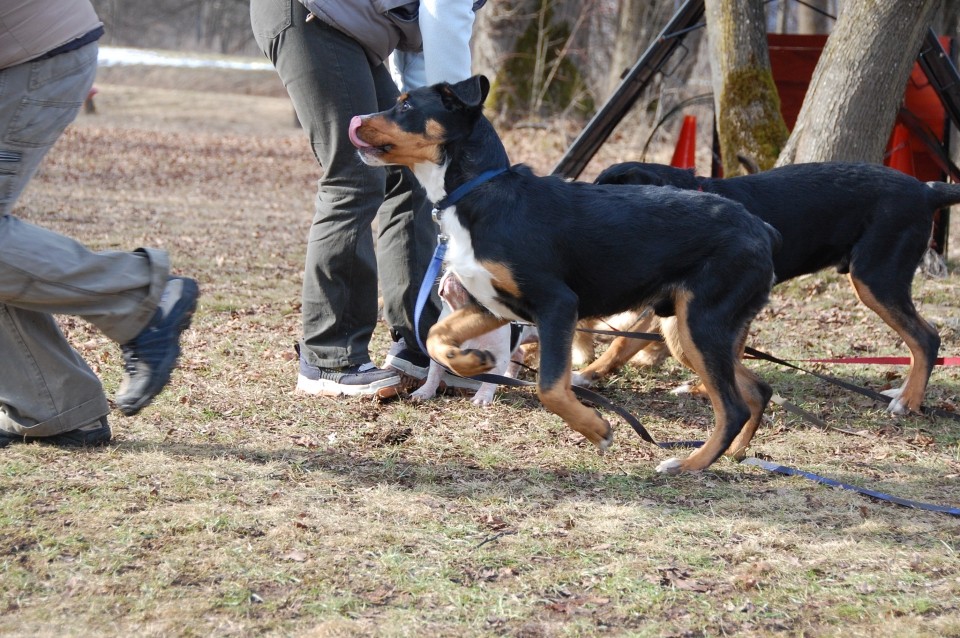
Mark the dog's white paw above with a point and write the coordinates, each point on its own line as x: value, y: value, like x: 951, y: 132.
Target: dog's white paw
x: 605, y: 442
x: 483, y: 398
x: 893, y: 393
x: 580, y: 381
x: 423, y: 395
x: 686, y: 388
x: 897, y: 407
x: 670, y: 466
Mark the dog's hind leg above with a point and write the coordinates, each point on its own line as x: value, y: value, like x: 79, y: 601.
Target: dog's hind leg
x: 756, y: 393
x: 891, y: 301
x: 694, y: 339
x: 556, y: 326
x: 447, y: 335
x: 619, y: 352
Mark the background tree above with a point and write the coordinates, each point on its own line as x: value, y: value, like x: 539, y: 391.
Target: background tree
x: 814, y: 17
x: 221, y: 26
x: 745, y: 98
x: 857, y: 86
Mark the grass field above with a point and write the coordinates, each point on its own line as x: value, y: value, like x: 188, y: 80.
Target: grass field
x: 234, y: 507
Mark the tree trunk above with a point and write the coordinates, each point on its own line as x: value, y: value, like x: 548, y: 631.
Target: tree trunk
x: 638, y: 22
x: 745, y: 97
x: 858, y: 84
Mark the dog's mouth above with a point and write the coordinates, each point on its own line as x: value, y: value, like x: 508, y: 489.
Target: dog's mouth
x: 365, y: 147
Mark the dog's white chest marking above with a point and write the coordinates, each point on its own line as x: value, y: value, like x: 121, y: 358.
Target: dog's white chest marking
x: 462, y: 261
x: 460, y: 256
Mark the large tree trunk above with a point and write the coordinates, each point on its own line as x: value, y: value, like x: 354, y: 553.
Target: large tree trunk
x: 749, y: 122
x: 858, y: 83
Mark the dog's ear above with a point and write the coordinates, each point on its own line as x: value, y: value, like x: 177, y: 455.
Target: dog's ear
x: 469, y: 93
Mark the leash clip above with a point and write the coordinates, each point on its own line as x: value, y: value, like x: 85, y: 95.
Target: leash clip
x: 442, y: 238
x: 436, y: 213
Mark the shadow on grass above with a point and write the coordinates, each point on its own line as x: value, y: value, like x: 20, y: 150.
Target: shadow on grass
x: 725, y: 489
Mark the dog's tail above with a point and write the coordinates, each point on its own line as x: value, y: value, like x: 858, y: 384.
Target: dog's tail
x: 943, y: 194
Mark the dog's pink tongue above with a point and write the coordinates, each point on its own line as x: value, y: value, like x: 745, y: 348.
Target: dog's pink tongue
x: 355, y: 123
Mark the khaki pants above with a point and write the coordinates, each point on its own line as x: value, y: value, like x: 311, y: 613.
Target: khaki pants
x: 45, y: 386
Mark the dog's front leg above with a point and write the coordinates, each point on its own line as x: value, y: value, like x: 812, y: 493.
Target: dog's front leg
x: 447, y: 335
x: 556, y: 329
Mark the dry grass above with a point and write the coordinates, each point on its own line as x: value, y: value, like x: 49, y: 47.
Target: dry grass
x: 234, y: 507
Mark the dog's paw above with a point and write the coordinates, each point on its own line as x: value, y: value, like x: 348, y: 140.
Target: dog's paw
x: 893, y: 393
x: 606, y: 441
x: 670, y: 467
x: 484, y: 396
x: 471, y: 362
x: 680, y: 390
x: 581, y: 381
x: 898, y: 407
x: 422, y: 395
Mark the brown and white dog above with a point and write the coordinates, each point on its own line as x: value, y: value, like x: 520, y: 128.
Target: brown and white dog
x: 547, y: 251
x: 497, y: 342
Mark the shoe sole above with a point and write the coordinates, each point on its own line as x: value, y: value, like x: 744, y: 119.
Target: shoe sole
x: 419, y: 375
x: 170, y: 361
x: 405, y: 367
x: 327, y: 388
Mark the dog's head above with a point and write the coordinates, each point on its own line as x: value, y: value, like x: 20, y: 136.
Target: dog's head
x: 421, y: 124
x: 649, y: 174
x: 452, y: 291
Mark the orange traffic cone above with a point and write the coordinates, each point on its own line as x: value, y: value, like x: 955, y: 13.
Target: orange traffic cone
x: 900, y: 156
x: 685, y: 155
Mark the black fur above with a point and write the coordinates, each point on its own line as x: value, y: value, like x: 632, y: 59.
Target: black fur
x: 867, y: 220
x: 562, y: 250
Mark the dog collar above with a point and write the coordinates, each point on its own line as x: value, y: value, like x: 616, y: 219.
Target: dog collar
x: 459, y: 192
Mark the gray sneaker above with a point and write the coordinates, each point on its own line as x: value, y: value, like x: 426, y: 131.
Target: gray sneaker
x: 151, y: 356
x: 91, y: 435
x: 358, y: 380
x: 416, y: 365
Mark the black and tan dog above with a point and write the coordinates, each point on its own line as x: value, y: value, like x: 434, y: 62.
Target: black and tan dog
x: 871, y: 222
x: 547, y: 251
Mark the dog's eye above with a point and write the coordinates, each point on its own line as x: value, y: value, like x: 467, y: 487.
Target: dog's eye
x: 405, y: 106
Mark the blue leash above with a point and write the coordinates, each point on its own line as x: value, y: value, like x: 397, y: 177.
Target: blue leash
x: 789, y: 471
x: 426, y: 286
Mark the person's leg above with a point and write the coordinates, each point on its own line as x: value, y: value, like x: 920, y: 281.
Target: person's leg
x: 44, y: 273
x: 46, y: 388
x: 329, y: 80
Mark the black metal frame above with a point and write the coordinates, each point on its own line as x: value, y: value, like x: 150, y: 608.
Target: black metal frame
x: 599, y: 128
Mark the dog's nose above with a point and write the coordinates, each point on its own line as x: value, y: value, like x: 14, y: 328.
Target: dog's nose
x: 355, y: 123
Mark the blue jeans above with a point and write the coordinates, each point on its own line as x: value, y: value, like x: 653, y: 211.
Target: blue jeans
x: 45, y: 386
x: 329, y: 80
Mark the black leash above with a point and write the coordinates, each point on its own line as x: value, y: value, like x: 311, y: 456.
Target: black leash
x: 757, y: 354
x: 867, y: 392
